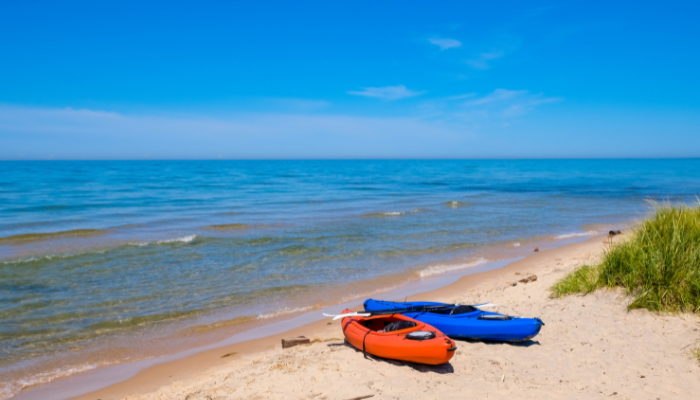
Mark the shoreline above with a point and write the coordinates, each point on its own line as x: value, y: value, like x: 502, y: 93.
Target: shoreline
x: 190, y: 340
x: 123, y: 380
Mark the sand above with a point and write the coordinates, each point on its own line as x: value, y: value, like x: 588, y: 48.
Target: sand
x: 590, y: 347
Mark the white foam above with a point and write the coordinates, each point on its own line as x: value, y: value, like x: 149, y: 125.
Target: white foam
x: 441, y: 269
x: 184, y: 239
x: 392, y: 213
x: 12, y: 389
x: 516, y: 244
x: 283, y: 311
x: 576, y: 234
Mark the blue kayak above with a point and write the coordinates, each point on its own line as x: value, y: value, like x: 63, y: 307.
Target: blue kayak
x: 464, y: 322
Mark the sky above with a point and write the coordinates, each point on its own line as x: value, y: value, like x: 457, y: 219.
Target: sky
x: 349, y: 79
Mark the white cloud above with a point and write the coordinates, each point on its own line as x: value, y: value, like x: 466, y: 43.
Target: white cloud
x: 482, y: 61
x: 497, y: 95
x: 387, y: 92
x: 506, y: 103
x: 445, y: 44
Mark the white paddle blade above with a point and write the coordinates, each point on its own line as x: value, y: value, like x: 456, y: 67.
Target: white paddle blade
x: 352, y: 314
x: 486, y: 305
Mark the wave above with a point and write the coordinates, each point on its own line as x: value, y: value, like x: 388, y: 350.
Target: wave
x: 457, y: 204
x: 441, y: 269
x: 228, y: 227
x: 383, y: 214
x: 183, y: 239
x: 284, y: 311
x: 32, y: 237
x: 576, y: 234
x: 48, y: 257
x: 12, y: 389
x: 393, y: 213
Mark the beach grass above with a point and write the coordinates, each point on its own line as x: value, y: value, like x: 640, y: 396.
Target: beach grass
x: 696, y: 353
x: 659, y: 265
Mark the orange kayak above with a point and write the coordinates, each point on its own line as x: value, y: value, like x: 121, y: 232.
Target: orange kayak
x: 398, y: 337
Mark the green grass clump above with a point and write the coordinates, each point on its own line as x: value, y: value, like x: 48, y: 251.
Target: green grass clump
x: 696, y: 354
x: 582, y: 280
x: 659, y: 265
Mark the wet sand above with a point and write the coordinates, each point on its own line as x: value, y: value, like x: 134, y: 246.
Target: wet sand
x: 590, y: 347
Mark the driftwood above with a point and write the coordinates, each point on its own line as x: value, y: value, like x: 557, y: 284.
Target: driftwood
x: 529, y: 279
x: 362, y: 397
x: 294, y: 341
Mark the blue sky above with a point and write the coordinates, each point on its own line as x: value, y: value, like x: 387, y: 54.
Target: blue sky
x: 349, y: 79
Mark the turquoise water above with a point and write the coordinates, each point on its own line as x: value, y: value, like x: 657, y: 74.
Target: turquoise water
x: 151, y: 252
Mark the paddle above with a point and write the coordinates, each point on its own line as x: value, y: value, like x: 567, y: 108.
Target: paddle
x: 404, y: 310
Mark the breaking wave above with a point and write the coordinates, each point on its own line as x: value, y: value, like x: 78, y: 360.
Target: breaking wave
x: 183, y: 239
x: 12, y: 389
x: 577, y: 234
x: 392, y: 213
x: 284, y: 311
x: 49, y: 257
x: 457, y: 204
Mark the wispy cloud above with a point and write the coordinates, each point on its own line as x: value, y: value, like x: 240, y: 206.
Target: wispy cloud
x: 506, y: 103
x: 498, y: 95
x: 445, y: 43
x: 482, y: 60
x: 51, y: 133
x: 387, y: 92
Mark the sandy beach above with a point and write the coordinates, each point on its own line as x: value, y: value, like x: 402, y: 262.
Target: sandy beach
x: 591, y: 347
x: 185, y: 190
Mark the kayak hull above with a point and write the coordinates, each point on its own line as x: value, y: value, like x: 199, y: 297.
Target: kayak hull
x: 363, y: 334
x: 479, y: 325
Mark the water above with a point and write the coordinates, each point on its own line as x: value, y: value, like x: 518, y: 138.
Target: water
x: 140, y: 252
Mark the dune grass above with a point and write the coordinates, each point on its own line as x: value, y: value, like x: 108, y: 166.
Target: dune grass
x: 696, y: 353
x: 659, y: 265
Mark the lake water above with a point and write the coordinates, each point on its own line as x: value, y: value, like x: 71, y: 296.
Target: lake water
x: 100, y: 260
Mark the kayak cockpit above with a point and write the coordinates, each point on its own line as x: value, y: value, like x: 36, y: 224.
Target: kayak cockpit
x: 389, y: 323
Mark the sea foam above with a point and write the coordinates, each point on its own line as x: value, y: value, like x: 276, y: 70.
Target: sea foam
x: 12, y: 389
x: 283, y: 311
x: 576, y: 234
x: 442, y: 268
x: 184, y: 239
